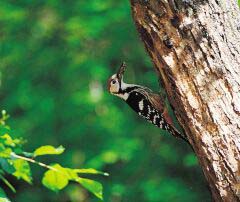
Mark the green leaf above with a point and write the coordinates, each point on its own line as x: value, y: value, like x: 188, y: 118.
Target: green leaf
x: 28, y: 154
x: 23, y: 170
x: 93, y: 186
x: 48, y: 149
x: 6, y: 166
x: 90, y: 171
x: 4, y: 130
x: 56, y: 179
x: 3, y: 197
x: 5, y: 152
x: 72, y: 175
x: 7, y: 140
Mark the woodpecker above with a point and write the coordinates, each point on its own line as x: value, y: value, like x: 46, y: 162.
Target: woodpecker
x: 143, y: 101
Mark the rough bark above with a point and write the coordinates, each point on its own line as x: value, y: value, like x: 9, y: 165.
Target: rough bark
x: 195, y: 46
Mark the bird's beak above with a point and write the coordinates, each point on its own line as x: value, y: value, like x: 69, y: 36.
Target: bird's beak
x: 121, y: 71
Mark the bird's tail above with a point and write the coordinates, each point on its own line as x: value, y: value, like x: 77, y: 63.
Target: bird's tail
x: 176, y: 133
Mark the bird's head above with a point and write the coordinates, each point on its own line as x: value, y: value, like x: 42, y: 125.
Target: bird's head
x: 115, y: 81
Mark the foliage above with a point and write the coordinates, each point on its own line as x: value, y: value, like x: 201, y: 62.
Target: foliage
x: 15, y: 161
x: 55, y: 59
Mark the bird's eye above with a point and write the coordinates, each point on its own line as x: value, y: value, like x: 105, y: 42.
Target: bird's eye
x: 113, y: 81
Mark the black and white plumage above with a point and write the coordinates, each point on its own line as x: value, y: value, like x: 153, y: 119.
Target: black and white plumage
x: 143, y: 101
x: 143, y: 106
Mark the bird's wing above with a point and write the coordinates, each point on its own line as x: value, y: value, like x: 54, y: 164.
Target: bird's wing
x: 157, y: 102
x: 153, y: 98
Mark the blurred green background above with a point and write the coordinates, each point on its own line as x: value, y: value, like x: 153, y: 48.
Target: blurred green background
x: 55, y: 59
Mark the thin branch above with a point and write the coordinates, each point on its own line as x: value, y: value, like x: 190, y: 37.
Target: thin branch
x: 33, y: 161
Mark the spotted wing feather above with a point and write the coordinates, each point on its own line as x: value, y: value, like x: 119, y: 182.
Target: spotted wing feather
x: 157, y: 102
x: 140, y: 102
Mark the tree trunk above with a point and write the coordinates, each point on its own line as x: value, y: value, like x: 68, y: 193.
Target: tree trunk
x: 195, y: 46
